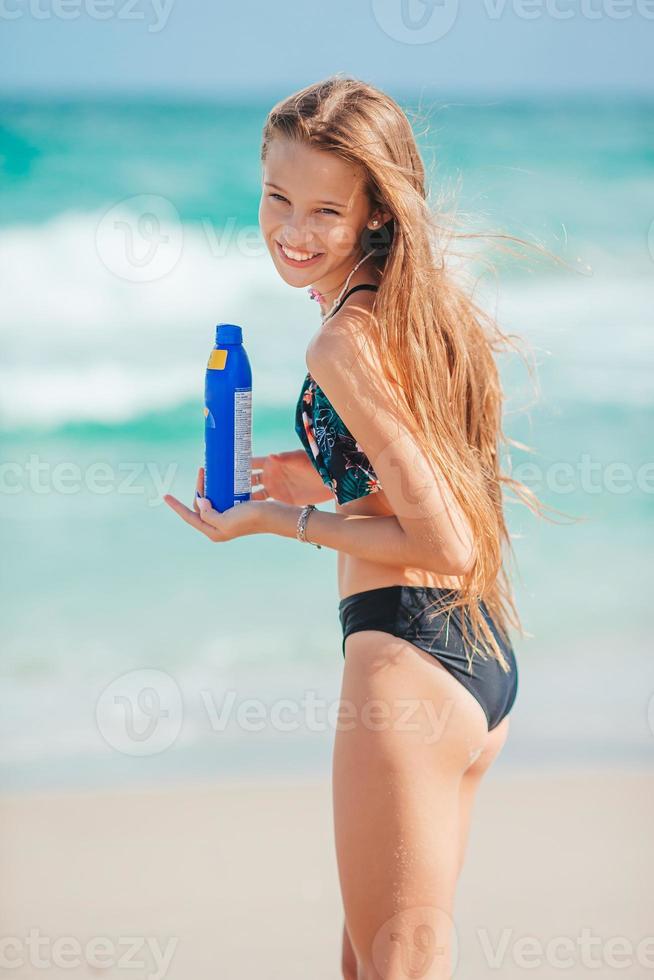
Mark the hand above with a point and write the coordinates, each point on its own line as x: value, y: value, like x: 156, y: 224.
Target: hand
x: 236, y: 522
x: 289, y: 477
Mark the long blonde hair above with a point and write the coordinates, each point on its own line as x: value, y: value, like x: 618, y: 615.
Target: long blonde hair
x: 438, y: 343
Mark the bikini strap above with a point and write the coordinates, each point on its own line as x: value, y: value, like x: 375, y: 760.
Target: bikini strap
x: 363, y: 285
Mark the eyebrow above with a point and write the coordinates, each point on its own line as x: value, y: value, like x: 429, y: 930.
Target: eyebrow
x: 269, y: 183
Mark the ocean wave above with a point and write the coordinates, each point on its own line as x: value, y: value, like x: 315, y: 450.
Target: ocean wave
x: 81, y: 342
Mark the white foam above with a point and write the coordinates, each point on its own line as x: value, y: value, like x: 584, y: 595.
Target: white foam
x: 81, y: 343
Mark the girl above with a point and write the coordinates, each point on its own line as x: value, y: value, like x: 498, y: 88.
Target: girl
x: 399, y: 418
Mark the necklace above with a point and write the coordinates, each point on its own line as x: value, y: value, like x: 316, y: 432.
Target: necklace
x: 314, y: 294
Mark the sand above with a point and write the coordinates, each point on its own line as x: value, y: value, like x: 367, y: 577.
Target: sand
x: 238, y: 880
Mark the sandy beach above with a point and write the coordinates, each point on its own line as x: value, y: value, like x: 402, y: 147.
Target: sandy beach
x: 238, y: 880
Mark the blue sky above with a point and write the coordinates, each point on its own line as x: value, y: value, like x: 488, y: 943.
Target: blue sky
x: 213, y: 48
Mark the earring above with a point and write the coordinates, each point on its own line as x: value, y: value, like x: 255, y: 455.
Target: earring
x: 375, y: 223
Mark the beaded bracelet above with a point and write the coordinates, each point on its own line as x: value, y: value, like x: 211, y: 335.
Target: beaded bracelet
x: 302, y: 523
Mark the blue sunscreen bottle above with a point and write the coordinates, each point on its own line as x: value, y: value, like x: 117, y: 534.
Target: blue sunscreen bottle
x: 228, y: 421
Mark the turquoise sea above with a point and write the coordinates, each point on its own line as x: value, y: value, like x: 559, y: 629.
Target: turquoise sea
x: 128, y: 229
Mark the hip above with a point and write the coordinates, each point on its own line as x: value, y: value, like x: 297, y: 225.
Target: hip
x: 419, y: 615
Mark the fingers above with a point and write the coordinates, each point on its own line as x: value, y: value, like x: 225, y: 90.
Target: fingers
x: 256, y: 466
x: 199, y: 489
x: 195, y: 520
x: 257, y: 491
x: 208, y: 515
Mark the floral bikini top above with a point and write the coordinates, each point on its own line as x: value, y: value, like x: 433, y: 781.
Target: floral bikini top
x: 333, y: 450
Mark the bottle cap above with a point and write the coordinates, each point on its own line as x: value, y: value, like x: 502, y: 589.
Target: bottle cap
x: 229, y: 333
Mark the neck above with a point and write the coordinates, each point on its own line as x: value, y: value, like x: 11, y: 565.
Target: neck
x: 330, y: 287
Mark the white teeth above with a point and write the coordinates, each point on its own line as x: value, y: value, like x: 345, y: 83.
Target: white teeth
x: 297, y: 256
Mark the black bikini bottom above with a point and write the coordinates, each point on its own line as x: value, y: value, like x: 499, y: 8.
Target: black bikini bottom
x: 399, y: 609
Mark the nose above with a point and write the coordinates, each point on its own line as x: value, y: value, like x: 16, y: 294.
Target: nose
x: 293, y: 237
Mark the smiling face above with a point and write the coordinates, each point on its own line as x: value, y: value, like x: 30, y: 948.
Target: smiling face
x: 313, y: 211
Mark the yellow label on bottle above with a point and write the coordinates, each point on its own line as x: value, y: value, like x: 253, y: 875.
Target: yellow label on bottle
x: 217, y: 360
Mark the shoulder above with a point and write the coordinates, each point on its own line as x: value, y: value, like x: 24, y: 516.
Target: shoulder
x: 348, y: 368
x: 343, y: 346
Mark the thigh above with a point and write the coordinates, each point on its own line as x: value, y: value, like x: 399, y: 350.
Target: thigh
x: 349, y: 966
x: 472, y: 778
x: 405, y: 736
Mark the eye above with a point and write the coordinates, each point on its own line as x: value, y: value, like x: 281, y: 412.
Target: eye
x: 328, y: 211
x: 277, y: 196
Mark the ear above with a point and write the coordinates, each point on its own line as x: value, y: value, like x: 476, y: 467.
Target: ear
x: 380, y: 217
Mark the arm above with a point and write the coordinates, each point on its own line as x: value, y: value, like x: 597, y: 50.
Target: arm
x: 290, y: 478
x: 315, y: 490
x: 428, y: 529
x: 378, y: 539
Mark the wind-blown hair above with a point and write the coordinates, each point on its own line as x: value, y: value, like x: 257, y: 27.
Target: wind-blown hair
x: 438, y: 343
